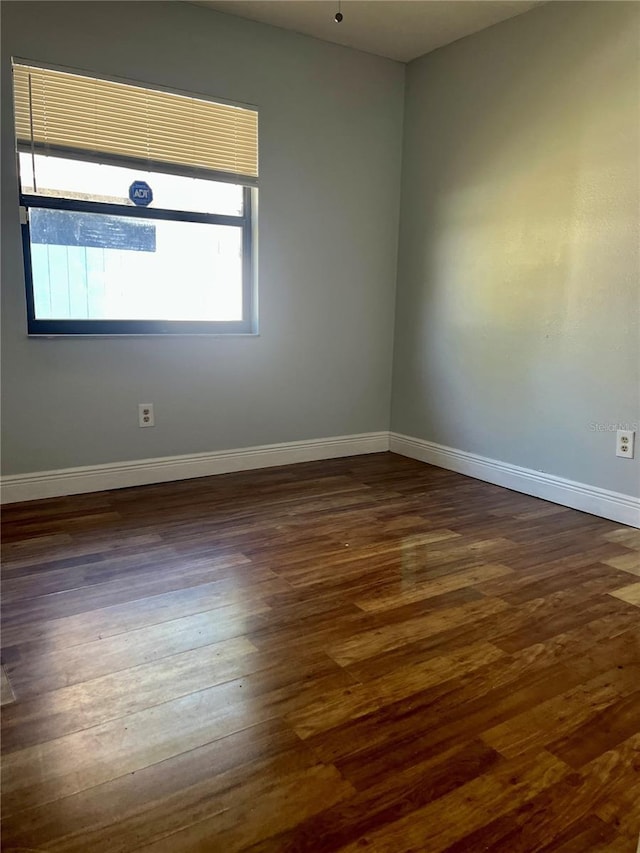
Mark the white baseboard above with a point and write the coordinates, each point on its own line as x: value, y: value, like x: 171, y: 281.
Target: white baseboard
x: 613, y: 505
x: 119, y: 475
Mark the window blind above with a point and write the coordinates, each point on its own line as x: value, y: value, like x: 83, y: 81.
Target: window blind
x: 65, y: 113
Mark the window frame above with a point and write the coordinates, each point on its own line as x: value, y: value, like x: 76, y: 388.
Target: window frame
x: 75, y: 327
x: 247, y: 221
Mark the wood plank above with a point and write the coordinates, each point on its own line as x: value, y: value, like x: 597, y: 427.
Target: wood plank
x: 438, y: 825
x: 609, y: 727
x: 74, y: 601
x: 630, y: 594
x: 370, y: 643
x: 257, y: 809
x: 626, y: 562
x: 409, y: 590
x: 567, y: 813
x: 329, y: 711
x: 35, y: 670
x: 90, y: 625
x: 564, y: 714
x: 393, y: 798
x: 627, y: 536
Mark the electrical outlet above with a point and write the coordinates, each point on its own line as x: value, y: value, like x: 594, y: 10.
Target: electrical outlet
x: 625, y: 439
x: 145, y: 415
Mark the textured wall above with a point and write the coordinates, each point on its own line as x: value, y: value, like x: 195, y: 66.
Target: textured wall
x: 518, y: 284
x: 330, y: 147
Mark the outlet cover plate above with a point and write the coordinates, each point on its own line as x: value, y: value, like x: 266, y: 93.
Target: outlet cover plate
x: 625, y: 441
x: 146, y: 417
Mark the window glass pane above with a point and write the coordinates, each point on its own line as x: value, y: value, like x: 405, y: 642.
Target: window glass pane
x: 56, y: 176
x: 89, y: 266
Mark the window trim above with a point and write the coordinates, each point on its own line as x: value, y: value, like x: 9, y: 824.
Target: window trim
x: 79, y: 327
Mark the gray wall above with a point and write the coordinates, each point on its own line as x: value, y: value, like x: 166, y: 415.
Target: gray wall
x: 518, y: 281
x: 330, y: 149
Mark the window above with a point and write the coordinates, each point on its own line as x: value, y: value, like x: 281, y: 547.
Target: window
x: 137, y: 207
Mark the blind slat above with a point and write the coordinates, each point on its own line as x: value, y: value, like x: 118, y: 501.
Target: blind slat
x: 72, y: 111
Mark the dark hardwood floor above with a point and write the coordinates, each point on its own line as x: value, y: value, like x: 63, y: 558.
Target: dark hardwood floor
x: 359, y: 654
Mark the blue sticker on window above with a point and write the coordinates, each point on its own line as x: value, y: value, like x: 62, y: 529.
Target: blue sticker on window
x: 140, y: 193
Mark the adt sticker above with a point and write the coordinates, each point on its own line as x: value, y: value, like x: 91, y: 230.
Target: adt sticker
x: 140, y: 193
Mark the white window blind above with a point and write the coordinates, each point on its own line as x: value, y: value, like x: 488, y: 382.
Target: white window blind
x: 60, y: 112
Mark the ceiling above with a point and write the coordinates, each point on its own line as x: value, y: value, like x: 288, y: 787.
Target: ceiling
x: 398, y: 29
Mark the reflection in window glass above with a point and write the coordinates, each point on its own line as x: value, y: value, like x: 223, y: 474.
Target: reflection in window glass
x: 95, y: 267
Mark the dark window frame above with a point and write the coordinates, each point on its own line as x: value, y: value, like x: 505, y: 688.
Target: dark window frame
x: 79, y: 327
